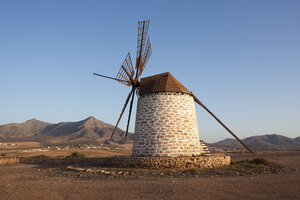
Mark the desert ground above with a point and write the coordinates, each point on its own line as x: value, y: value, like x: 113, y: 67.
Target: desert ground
x: 40, y: 181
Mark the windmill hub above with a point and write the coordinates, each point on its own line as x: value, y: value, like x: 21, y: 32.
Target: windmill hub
x: 137, y: 84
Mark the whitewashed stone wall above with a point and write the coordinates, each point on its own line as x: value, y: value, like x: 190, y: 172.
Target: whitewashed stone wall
x: 166, y: 125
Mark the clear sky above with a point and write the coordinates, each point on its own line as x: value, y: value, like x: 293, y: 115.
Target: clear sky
x: 241, y: 58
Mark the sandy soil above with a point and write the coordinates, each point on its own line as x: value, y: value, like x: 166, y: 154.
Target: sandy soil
x: 26, y: 181
x: 25, y: 149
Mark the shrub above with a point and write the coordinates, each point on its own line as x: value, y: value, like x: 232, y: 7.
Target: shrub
x: 255, y: 163
x: 40, y: 156
x: 192, y: 171
x: 261, y: 161
x: 77, y: 155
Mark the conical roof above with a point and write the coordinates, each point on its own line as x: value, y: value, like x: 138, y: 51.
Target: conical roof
x: 164, y: 82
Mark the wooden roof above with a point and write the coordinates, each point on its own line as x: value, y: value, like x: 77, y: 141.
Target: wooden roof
x: 164, y: 82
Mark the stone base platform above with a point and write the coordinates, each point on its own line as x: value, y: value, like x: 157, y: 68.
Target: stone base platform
x: 215, y: 160
x: 168, y: 162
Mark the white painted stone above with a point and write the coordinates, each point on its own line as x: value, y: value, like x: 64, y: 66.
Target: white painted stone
x: 166, y: 125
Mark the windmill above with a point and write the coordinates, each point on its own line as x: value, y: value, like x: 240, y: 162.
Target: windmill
x: 129, y: 75
x: 166, y: 122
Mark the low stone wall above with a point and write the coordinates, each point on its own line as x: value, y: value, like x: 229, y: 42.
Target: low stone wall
x: 4, y: 161
x: 218, y: 160
x: 170, y: 162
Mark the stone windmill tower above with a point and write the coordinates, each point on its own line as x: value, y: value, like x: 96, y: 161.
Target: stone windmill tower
x: 166, y: 119
x: 166, y: 123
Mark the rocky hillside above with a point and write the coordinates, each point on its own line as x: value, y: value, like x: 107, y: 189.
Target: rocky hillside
x: 20, y: 130
x: 88, y: 130
x: 260, y: 142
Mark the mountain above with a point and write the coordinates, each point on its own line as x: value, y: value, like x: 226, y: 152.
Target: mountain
x: 228, y: 143
x: 297, y: 139
x: 228, y: 140
x: 271, y: 142
x: 92, y: 130
x: 260, y: 142
x: 27, y: 129
x: 89, y: 130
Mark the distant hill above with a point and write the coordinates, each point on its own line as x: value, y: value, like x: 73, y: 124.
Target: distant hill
x: 18, y: 130
x: 260, y: 142
x: 92, y: 130
x: 89, y: 130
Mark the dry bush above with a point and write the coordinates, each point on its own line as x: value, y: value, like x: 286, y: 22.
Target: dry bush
x: 256, y: 162
x: 76, y: 155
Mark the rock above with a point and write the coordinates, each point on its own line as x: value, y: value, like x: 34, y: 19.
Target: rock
x: 74, y: 168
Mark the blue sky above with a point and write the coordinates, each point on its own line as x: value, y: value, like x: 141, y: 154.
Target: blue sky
x: 241, y: 58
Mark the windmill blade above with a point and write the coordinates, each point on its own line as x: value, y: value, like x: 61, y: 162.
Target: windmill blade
x: 145, y: 57
x: 142, y: 35
x: 236, y: 137
x: 129, y: 115
x: 126, y: 102
x: 126, y: 71
x: 125, y: 82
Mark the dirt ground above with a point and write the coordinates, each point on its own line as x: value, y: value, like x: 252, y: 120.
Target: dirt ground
x: 27, y: 149
x: 27, y: 181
